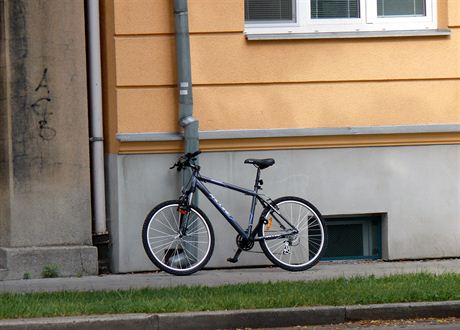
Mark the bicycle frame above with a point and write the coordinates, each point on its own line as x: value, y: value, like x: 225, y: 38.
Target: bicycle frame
x: 178, y: 236
x: 197, y: 182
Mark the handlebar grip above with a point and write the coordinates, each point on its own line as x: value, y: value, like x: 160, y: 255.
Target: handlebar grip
x: 192, y: 155
x: 196, y: 153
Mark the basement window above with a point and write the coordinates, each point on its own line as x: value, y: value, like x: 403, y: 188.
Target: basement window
x: 335, y: 16
x: 354, y: 237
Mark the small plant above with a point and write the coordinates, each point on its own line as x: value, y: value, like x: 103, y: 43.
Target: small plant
x: 50, y: 271
x: 26, y: 276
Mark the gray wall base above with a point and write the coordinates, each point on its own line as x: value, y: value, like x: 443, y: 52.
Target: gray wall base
x: 70, y: 261
x: 415, y: 189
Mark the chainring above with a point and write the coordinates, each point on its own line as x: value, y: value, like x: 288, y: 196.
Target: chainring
x: 243, y: 243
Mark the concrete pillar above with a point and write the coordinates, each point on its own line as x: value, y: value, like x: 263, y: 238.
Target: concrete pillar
x: 4, y: 132
x: 45, y: 201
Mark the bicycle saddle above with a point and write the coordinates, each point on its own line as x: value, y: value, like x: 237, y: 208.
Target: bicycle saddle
x: 260, y: 163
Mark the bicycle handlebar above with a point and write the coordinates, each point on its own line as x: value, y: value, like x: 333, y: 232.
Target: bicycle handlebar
x: 187, y: 160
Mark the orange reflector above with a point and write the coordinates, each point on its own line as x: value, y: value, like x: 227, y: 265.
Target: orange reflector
x: 269, y: 223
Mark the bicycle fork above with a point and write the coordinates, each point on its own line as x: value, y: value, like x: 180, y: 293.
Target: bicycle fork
x: 184, y: 213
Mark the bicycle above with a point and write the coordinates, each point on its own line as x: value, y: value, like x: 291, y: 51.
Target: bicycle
x: 179, y: 239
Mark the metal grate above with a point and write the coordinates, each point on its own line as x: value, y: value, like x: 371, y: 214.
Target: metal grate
x: 354, y: 238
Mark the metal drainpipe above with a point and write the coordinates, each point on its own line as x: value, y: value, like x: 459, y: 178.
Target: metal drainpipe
x: 184, y: 75
x: 95, y: 108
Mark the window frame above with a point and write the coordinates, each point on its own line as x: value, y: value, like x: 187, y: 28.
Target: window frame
x: 368, y: 22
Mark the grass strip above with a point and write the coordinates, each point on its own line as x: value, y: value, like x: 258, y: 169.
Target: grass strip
x: 360, y: 290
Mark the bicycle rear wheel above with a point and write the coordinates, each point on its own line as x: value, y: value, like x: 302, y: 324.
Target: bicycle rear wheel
x: 294, y: 252
x: 168, y: 248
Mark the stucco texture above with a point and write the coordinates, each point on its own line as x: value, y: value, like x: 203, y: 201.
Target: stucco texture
x: 240, y: 84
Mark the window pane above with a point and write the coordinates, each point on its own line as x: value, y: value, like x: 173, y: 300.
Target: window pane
x: 269, y: 10
x: 334, y: 8
x: 400, y: 8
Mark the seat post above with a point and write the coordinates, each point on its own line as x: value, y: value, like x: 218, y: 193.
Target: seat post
x: 256, y: 183
x: 253, y: 205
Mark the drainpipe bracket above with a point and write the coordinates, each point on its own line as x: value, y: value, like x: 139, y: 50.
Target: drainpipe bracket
x: 96, y: 139
x: 187, y: 121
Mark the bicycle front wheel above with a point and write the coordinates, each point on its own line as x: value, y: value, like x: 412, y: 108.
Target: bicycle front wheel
x: 295, y: 251
x: 172, y: 250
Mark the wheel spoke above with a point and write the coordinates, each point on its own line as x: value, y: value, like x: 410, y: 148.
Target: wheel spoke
x: 162, y: 232
x: 193, y: 221
x: 314, y: 243
x: 307, y: 223
x: 169, y: 248
x: 196, y: 246
x: 159, y: 240
x: 298, y: 218
x: 276, y: 247
x: 159, y: 247
x: 175, y: 219
x: 168, y: 224
x: 197, y: 242
x: 189, y: 259
x: 197, y: 232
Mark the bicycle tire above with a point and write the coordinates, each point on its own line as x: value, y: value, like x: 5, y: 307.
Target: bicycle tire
x: 170, y: 251
x: 312, y: 230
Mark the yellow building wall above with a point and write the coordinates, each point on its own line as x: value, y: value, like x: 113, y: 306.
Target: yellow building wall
x: 240, y: 84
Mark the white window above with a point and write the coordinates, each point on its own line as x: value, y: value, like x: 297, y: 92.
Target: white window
x: 316, y: 16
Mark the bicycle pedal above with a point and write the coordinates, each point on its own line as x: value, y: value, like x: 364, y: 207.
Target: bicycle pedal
x: 235, y: 257
x: 232, y: 260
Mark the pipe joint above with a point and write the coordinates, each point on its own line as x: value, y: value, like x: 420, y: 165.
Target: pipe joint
x: 186, y: 121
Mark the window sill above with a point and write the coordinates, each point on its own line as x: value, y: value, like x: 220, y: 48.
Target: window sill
x: 348, y: 35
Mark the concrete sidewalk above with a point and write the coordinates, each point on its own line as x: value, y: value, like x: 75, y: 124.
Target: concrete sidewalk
x: 236, y: 319
x: 323, y: 270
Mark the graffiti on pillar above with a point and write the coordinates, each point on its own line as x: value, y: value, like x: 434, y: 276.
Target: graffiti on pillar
x: 40, y: 108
